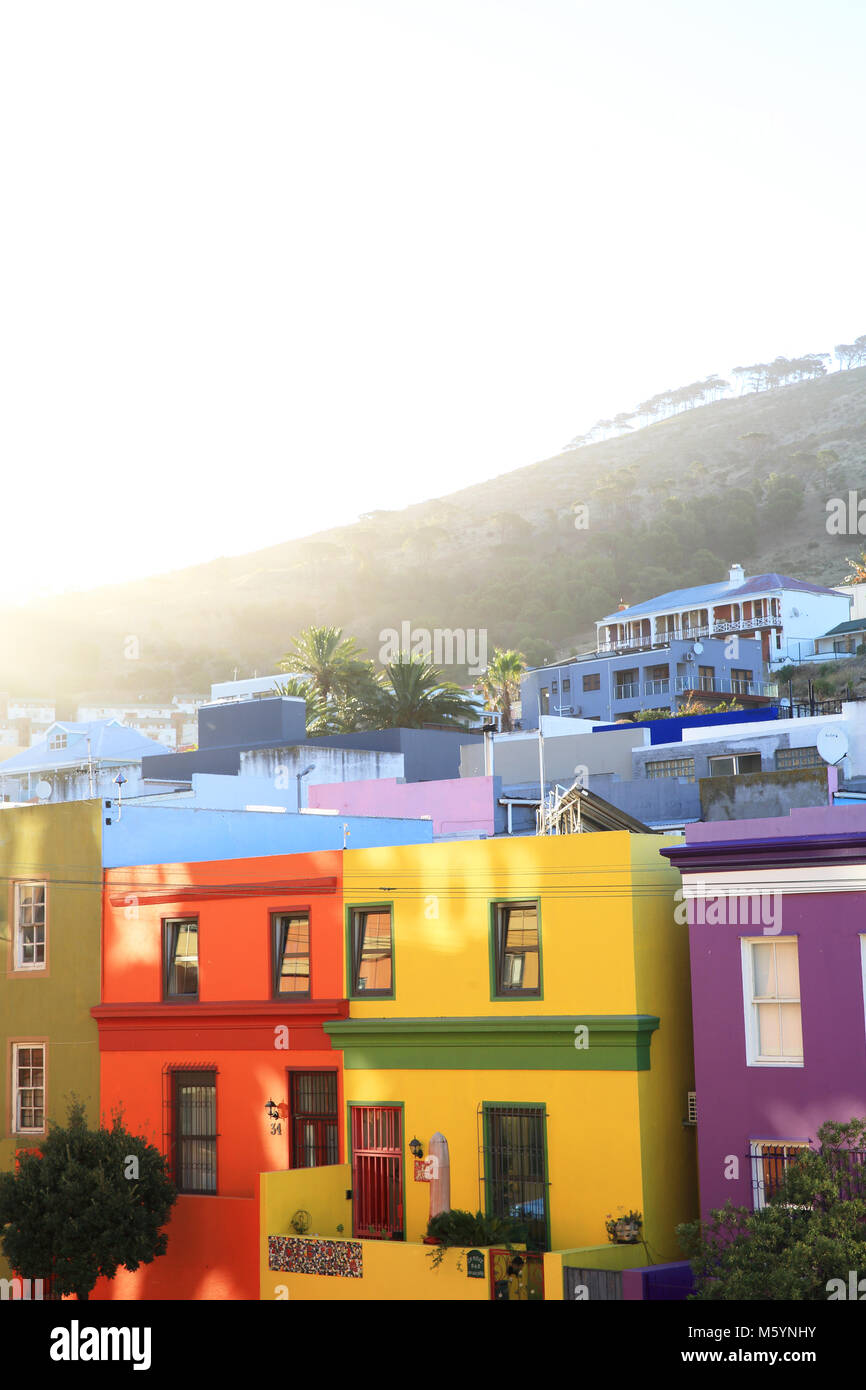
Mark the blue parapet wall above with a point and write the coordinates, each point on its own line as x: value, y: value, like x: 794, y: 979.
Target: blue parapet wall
x: 671, y: 730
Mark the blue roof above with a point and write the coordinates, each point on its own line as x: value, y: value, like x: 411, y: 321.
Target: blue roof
x: 110, y: 742
x: 709, y: 593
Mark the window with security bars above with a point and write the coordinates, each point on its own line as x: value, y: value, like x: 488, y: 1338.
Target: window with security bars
x: 28, y: 1088
x: 515, y: 1167
x: 314, y: 1132
x: 291, y: 953
x: 769, y: 1165
x: 672, y: 767
x: 377, y: 1171
x: 181, y: 959
x: 29, y: 926
x: 774, y: 1029
x: 194, y: 1134
x: 788, y: 758
x: 372, y: 952
x: 516, y: 949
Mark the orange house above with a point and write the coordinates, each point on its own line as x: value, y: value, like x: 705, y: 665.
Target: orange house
x: 216, y: 980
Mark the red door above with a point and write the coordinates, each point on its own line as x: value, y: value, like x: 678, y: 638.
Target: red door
x: 377, y: 1171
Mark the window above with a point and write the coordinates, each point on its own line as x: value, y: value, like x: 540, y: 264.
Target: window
x: 29, y: 939
x: 515, y: 1175
x: 592, y: 682
x: 787, y: 758
x: 740, y: 681
x: 566, y: 687
x: 181, y: 959
x: 734, y: 764
x: 57, y: 741
x: 544, y: 700
x: 195, y: 1136
x: 291, y: 933
x: 28, y: 1088
x: 314, y: 1132
x: 706, y: 677
x: 372, y: 952
x: 672, y: 767
x: 769, y: 1164
x: 517, y: 950
x: 771, y: 981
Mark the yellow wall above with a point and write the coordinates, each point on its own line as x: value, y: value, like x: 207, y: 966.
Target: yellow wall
x: 441, y: 897
x: 610, y: 945
x: 593, y: 1146
x: 391, y: 1269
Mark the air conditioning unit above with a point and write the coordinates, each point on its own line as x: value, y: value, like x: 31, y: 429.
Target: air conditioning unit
x: 691, y: 1108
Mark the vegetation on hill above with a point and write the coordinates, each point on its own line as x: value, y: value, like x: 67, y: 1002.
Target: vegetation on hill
x: 531, y: 558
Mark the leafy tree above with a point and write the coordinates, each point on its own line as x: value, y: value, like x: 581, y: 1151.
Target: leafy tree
x: 411, y: 693
x: 811, y: 1231
x: 500, y: 684
x: 95, y: 1200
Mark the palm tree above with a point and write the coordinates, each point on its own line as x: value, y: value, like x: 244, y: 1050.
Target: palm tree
x: 411, y: 694
x: 318, y: 721
x: 500, y: 684
x: 332, y: 661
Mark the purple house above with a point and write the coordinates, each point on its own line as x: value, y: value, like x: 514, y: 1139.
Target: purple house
x: 777, y: 927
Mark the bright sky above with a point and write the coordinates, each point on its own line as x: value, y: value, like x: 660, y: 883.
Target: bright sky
x: 267, y: 266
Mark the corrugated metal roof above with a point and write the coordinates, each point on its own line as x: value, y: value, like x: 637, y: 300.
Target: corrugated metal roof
x: 854, y: 625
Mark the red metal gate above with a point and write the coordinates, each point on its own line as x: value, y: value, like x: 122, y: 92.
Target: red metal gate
x: 377, y: 1171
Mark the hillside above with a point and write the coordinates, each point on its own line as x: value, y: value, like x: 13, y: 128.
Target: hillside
x: 669, y: 505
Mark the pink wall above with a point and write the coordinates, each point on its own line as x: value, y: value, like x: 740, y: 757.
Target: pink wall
x: 458, y: 806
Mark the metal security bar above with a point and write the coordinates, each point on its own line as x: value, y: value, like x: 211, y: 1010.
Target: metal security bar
x: 194, y: 1134
x: 514, y: 1167
x: 314, y: 1130
x: 377, y: 1171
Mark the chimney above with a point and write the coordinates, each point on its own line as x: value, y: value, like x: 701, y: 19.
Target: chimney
x: 621, y: 606
x: 737, y: 576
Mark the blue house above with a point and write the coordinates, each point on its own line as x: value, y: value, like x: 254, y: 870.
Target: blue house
x: 607, y: 686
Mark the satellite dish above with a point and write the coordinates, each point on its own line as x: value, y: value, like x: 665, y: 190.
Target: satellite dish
x: 698, y: 648
x: 832, y: 744
x: 43, y: 790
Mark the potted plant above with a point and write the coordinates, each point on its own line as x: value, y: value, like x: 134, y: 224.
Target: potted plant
x: 465, y: 1230
x: 625, y: 1229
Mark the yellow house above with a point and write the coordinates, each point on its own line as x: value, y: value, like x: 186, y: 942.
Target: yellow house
x: 519, y: 1015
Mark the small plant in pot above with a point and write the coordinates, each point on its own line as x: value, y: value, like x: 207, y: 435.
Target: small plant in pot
x: 625, y: 1229
x: 462, y: 1229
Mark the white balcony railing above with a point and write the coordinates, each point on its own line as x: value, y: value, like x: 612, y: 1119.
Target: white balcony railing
x: 657, y: 687
x: 721, y: 685
x: 628, y: 691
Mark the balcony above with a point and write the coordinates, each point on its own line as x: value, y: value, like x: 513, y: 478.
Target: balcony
x: 657, y: 687
x: 721, y: 685
x: 629, y: 691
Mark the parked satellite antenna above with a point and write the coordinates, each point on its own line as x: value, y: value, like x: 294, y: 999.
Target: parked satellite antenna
x: 43, y: 790
x: 832, y: 744
x: 698, y: 648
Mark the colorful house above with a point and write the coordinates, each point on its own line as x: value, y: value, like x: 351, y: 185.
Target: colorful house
x: 52, y: 860
x: 778, y: 961
x: 519, y: 1012
x: 218, y: 978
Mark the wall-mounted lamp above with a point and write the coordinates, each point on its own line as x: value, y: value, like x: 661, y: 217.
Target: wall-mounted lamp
x: 416, y: 1148
x: 272, y: 1111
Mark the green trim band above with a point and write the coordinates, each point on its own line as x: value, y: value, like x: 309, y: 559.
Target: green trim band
x: 612, y: 1042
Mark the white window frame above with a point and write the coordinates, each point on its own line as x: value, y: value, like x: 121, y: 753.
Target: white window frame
x: 17, y: 962
x: 16, y: 1089
x: 735, y: 758
x: 756, y: 1150
x: 753, y: 1056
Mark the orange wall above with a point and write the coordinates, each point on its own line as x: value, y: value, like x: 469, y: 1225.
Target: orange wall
x: 234, y: 941
x: 212, y: 1254
x: 213, y: 1240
